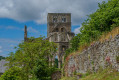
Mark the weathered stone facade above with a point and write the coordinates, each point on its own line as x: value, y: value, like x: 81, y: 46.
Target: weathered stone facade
x: 59, y: 31
x: 96, y: 56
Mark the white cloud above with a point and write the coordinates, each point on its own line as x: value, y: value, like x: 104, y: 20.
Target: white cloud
x: 0, y: 51
x: 13, y: 27
x: 36, y: 10
x: 77, y: 30
x: 12, y: 45
x: 4, y: 40
x: 8, y: 45
x: 32, y: 30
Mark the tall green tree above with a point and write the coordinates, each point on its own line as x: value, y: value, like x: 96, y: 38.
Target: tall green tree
x: 28, y: 53
x: 103, y: 20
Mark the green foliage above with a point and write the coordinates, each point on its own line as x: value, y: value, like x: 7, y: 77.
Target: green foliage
x: 103, y: 20
x: 42, y: 71
x: 1, y: 57
x: 14, y: 73
x: 92, y: 62
x: 68, y: 78
x: 74, y: 42
x: 31, y: 56
x: 68, y: 51
x: 56, y: 62
x: 74, y: 73
x: 82, y: 75
x: 74, y: 45
x: 102, y: 74
x: 11, y: 59
x: 107, y: 74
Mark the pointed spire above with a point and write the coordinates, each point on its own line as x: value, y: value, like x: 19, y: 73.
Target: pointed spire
x: 25, y: 33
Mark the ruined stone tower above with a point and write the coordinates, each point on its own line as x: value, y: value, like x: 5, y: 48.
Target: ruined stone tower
x: 59, y: 31
x: 25, y: 33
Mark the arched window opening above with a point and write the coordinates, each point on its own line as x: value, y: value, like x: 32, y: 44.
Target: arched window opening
x: 57, y: 29
x: 56, y: 61
x: 62, y: 29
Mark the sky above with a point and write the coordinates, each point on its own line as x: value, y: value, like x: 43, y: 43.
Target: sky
x: 14, y: 14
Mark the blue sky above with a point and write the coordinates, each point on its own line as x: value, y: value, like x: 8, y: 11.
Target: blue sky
x: 12, y: 33
x: 14, y: 14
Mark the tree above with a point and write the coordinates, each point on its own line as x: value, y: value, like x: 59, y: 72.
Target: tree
x: 14, y: 73
x: 74, y: 42
x: 42, y: 71
x: 74, y: 45
x: 103, y: 20
x: 28, y: 53
x: 1, y: 57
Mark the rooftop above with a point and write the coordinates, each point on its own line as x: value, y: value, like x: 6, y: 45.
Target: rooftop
x: 2, y: 65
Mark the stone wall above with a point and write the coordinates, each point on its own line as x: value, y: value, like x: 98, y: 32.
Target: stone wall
x: 56, y: 75
x: 96, y: 56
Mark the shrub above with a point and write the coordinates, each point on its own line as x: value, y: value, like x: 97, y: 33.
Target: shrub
x: 13, y: 73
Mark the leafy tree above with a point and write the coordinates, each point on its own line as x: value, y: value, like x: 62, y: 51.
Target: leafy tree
x: 73, y: 44
x: 42, y: 71
x: 14, y: 73
x: 28, y: 53
x: 1, y: 57
x: 56, y: 62
x: 104, y: 19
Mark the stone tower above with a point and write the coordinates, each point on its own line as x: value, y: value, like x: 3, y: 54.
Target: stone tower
x: 25, y: 33
x: 59, y: 31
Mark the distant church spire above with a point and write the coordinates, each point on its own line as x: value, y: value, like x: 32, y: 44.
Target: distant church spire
x: 25, y: 33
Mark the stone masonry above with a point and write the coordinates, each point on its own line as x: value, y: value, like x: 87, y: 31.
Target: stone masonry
x: 96, y: 56
x: 59, y: 31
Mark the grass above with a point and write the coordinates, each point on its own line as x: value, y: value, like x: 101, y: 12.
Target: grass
x: 68, y: 78
x: 107, y: 35
x: 107, y: 74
